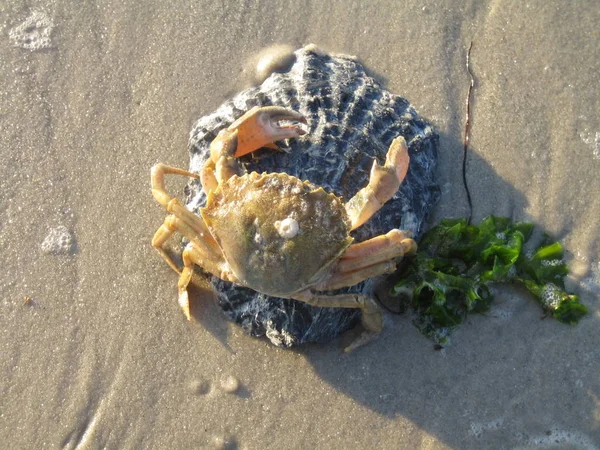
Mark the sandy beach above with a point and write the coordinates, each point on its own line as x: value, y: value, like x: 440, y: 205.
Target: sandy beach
x: 94, y: 350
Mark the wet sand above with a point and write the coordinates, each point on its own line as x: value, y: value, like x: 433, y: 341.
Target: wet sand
x: 100, y: 356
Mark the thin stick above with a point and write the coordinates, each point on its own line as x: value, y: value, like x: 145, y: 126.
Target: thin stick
x: 467, y: 135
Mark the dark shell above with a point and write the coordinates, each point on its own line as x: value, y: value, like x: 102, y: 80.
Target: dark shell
x: 351, y: 121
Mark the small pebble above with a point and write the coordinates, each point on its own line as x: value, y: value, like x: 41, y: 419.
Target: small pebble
x: 219, y: 442
x: 223, y: 443
x: 278, y: 58
x: 230, y: 384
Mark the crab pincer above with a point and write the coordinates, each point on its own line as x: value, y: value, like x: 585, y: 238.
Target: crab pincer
x: 261, y: 127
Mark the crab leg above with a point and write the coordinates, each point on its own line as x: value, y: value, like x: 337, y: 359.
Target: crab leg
x: 371, y: 318
x: 369, y: 259
x: 202, y: 249
x: 195, y: 254
x: 161, y: 236
x: 157, y: 177
x: 222, y: 164
x: 196, y: 226
x: 257, y: 128
x: 384, y: 181
x: 345, y: 279
x: 386, y: 247
x: 174, y: 224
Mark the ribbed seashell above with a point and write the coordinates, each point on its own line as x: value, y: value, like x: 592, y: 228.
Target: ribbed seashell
x: 351, y: 121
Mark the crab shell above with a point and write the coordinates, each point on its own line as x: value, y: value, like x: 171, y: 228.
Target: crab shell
x: 279, y: 234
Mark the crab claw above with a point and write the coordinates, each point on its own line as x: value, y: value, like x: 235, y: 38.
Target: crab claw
x: 259, y: 127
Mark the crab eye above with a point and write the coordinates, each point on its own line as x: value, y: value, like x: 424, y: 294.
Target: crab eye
x: 287, y: 228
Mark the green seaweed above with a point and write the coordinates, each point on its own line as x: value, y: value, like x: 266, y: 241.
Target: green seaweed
x: 449, y: 276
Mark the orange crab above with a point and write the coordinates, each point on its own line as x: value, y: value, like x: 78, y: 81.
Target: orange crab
x: 277, y: 234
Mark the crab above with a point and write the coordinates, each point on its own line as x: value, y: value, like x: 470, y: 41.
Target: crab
x: 277, y: 234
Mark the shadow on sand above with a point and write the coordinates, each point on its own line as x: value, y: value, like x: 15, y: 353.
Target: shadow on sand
x: 506, y: 379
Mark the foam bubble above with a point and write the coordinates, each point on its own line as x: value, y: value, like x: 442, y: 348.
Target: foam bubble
x: 550, y: 296
x: 558, y: 438
x: 591, y: 282
x: 593, y: 140
x: 478, y: 428
x: 34, y: 33
x: 502, y: 315
x: 59, y: 241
